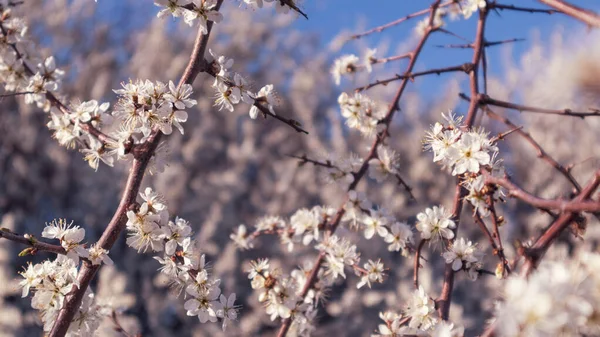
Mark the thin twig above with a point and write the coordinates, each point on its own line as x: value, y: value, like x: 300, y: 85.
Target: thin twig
x: 463, y: 68
x: 417, y: 263
x: 523, y: 9
x: 379, y: 29
x: 34, y: 244
x: 487, y: 100
x: 486, y: 44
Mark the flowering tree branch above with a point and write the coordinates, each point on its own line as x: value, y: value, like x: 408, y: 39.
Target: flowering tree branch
x: 312, y: 276
x: 444, y: 300
x: 132, y: 187
x: 54, y: 101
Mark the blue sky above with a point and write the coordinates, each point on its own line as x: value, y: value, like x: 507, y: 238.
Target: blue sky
x: 330, y: 17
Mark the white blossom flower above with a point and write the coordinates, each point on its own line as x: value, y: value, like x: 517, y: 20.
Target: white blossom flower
x: 97, y: 152
x: 374, y: 273
x: 447, y: 329
x: 346, y: 64
x: 175, y: 233
x: 399, y: 237
x: 369, y: 59
x: 173, y: 7
x: 468, y: 154
x: 227, y: 96
x: 461, y: 254
x: 421, y: 309
x: 226, y: 309
x: 306, y: 225
x: 385, y: 164
x: 375, y: 222
x: 203, y: 304
x: 33, y: 276
x: 241, y: 238
x: 98, y: 255
x: 357, y: 202
x: 266, y: 95
x: 154, y: 201
x: 435, y: 224
x: 471, y: 6
x: 204, y: 11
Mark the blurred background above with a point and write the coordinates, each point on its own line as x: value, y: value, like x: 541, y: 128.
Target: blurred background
x: 228, y: 169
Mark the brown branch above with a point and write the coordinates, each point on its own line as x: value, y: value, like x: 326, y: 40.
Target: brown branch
x: 588, y: 17
x: 87, y: 272
x: 534, y: 254
x: 496, y: 225
x: 487, y: 100
x: 541, y: 153
x: 411, y: 76
x: 304, y: 159
x: 486, y: 44
x: 32, y: 242
x: 494, y: 239
x: 445, y: 299
x: 522, y: 9
x: 445, y: 31
x: 407, y: 187
x: 207, y: 68
x: 119, y: 328
x: 291, y: 122
x: 391, y: 58
x: 379, y: 29
x: 574, y: 205
x: 311, y: 279
x: 417, y: 263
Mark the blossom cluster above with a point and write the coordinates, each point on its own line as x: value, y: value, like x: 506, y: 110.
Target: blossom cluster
x: 280, y: 6
x: 464, y: 8
x: 466, y: 153
x: 183, y: 264
x: 231, y: 88
x: 560, y: 298
x: 361, y: 113
x: 104, y: 136
x: 436, y: 225
x: 281, y: 295
x: 308, y: 225
x: 350, y: 64
x: 419, y: 318
x: 191, y: 10
x: 22, y: 69
x: 51, y: 281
